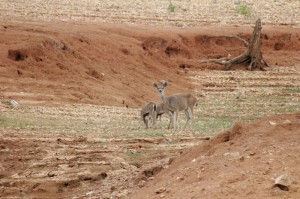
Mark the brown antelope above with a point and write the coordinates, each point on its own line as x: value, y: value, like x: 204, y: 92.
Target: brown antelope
x: 175, y: 103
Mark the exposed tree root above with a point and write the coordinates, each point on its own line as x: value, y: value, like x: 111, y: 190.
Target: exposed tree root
x: 252, y: 57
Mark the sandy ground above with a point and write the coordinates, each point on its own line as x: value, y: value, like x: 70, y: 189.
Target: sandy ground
x: 157, y: 12
x: 81, y: 83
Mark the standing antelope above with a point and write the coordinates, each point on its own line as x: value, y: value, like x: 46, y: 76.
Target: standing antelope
x: 147, y: 112
x: 175, y: 103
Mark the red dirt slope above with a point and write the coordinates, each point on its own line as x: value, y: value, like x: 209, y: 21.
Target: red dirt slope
x: 240, y: 163
x: 57, y: 62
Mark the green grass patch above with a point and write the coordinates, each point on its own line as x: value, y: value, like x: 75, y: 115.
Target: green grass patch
x: 21, y: 123
x: 243, y: 9
x: 210, y: 125
x: 171, y: 7
x: 134, y: 154
x: 293, y: 91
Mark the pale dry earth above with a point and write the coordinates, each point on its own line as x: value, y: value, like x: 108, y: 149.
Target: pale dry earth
x: 186, y: 13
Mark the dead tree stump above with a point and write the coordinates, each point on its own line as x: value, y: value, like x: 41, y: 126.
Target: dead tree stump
x: 252, y: 57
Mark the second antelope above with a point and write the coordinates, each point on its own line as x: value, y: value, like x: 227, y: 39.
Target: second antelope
x: 148, y: 112
x: 151, y: 111
x: 175, y: 103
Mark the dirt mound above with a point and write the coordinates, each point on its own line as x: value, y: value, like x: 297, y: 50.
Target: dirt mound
x: 240, y: 163
x: 104, y: 64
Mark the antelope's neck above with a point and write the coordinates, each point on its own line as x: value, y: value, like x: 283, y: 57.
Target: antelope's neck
x: 163, y: 98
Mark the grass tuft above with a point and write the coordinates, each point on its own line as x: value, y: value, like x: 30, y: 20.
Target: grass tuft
x: 171, y: 7
x: 243, y: 9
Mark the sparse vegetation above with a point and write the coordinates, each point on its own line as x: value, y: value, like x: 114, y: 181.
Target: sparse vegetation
x: 10, y: 122
x: 134, y: 154
x: 189, y: 11
x: 294, y: 91
x: 171, y: 7
x: 222, y: 106
x: 243, y: 8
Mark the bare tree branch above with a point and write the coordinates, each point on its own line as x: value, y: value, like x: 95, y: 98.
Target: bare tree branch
x: 246, y: 43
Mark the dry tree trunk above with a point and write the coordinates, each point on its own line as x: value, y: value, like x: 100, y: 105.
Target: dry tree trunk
x: 252, y: 56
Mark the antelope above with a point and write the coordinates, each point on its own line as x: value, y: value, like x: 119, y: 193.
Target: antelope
x: 153, y: 111
x: 175, y: 103
x: 147, y: 112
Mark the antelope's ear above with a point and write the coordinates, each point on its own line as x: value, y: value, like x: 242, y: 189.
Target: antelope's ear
x: 165, y: 84
x: 155, y: 85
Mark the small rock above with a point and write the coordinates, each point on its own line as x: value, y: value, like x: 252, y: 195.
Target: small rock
x: 160, y: 190
x: 272, y: 123
x: 287, y: 122
x: 89, y: 193
x: 141, y: 183
x: 180, y: 178
x: 16, y: 175
x: 80, y: 139
x: 123, y: 193
x: 232, y: 154
x: 242, y: 158
x: 166, y: 162
x: 283, y: 182
x: 124, y: 165
x: 100, y: 176
x: 51, y: 174
x: 14, y: 103
x: 85, y: 177
x: 106, y: 196
x: 2, y: 171
x: 150, y: 178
